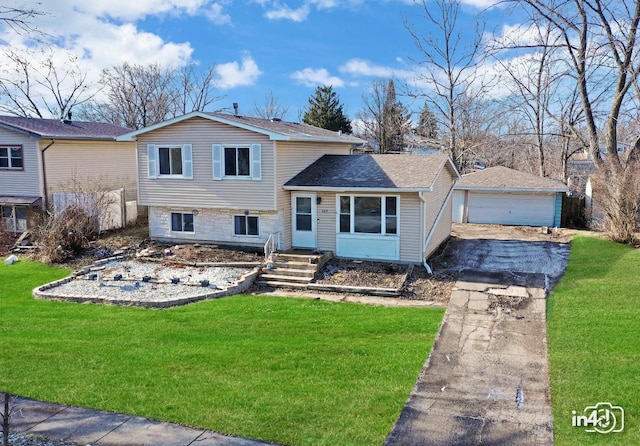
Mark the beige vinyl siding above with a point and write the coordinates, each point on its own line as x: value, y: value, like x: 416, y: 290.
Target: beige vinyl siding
x: 24, y: 182
x: 203, y: 191
x: 108, y: 164
x: 442, y: 231
x: 327, y: 221
x: 291, y: 159
x: 435, y: 200
x: 410, y: 243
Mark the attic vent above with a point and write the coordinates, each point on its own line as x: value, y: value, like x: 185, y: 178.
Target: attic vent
x: 274, y: 119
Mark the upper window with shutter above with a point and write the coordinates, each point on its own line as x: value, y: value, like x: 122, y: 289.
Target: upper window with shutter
x: 231, y: 161
x: 170, y: 161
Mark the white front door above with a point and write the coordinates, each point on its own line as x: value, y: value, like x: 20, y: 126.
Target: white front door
x: 303, y: 224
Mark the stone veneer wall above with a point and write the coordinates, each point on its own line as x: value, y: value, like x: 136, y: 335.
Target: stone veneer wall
x: 214, y: 226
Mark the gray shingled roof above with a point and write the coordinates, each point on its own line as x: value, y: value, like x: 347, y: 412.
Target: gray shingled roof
x: 295, y: 129
x: 54, y: 128
x: 371, y: 171
x: 500, y: 177
x: 274, y: 128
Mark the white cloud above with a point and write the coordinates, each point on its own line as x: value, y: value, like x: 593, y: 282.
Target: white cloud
x: 234, y: 74
x: 311, y: 77
x: 215, y: 14
x: 480, y: 4
x: 132, y: 9
x: 364, y: 68
x: 284, y: 12
x: 277, y: 10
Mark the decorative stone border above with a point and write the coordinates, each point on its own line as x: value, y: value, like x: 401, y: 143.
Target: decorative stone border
x: 44, y: 292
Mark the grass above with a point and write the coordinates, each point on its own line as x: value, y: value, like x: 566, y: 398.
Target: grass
x: 594, y: 339
x: 292, y: 371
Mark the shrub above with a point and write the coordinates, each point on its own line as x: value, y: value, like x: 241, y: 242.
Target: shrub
x: 64, y: 235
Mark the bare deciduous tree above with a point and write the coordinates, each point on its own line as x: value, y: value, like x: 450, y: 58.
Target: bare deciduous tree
x: 137, y: 96
x: 450, y: 66
x: 270, y: 108
x: 195, y: 90
x: 37, y: 89
x: 385, y: 120
x: 600, y: 39
x: 533, y: 80
x: 19, y: 18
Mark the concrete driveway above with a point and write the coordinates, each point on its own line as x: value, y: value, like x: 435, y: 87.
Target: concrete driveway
x: 487, y: 378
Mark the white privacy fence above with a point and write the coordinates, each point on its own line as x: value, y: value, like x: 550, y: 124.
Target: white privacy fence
x: 112, y: 208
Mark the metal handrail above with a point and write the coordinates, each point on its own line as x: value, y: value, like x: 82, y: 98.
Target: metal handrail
x: 271, y: 245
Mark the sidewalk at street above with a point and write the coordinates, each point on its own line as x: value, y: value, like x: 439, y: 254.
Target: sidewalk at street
x: 98, y: 428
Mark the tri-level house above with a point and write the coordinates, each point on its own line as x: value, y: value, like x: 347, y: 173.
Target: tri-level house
x: 236, y: 180
x: 39, y: 158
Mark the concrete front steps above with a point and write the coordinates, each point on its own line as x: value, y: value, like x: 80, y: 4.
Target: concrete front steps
x: 293, y: 269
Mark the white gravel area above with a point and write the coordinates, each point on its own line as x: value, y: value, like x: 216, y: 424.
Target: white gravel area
x: 146, y: 282
x: 35, y: 440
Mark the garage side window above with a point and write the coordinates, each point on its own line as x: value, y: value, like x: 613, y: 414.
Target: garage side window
x: 368, y: 214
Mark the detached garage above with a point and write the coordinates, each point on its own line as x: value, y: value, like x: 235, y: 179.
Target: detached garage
x: 499, y: 195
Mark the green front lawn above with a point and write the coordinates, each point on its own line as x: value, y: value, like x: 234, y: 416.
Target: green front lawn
x: 286, y: 370
x: 594, y: 340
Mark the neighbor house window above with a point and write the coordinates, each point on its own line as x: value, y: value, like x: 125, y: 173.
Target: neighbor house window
x: 368, y: 214
x: 182, y: 222
x: 246, y: 225
x: 14, y: 218
x: 170, y: 160
x: 11, y: 158
x: 237, y: 161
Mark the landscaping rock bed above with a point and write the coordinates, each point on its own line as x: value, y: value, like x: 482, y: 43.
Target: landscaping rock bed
x: 148, y: 284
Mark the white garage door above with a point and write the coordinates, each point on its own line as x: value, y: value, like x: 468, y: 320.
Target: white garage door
x: 512, y: 208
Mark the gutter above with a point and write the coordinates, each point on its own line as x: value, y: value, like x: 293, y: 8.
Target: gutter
x: 44, y: 175
x: 433, y: 226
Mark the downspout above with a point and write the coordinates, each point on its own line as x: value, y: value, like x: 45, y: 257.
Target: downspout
x: 433, y: 226
x: 44, y: 175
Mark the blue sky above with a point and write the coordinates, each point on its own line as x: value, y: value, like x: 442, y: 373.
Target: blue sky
x: 285, y: 47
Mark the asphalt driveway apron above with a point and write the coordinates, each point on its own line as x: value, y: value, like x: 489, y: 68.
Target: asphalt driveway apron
x: 486, y: 381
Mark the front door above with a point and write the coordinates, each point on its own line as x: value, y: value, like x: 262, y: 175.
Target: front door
x: 303, y: 206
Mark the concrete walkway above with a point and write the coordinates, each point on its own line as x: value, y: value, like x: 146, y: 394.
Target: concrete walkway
x: 86, y: 426
x: 486, y: 380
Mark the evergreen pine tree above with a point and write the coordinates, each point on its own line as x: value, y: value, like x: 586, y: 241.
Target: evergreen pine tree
x: 396, y: 121
x: 427, y: 124
x: 325, y: 111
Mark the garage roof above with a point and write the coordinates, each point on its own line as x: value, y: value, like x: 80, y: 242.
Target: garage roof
x: 505, y: 179
x: 372, y: 172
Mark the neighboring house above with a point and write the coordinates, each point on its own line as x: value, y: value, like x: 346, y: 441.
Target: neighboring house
x: 234, y: 180
x: 40, y: 158
x: 499, y: 195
